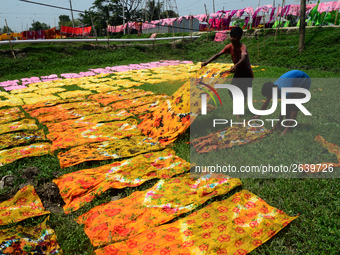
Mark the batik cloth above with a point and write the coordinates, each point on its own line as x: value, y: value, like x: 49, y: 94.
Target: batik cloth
x: 234, y: 226
x: 41, y: 99
x: 332, y: 148
x: 229, y: 137
x: 127, y: 104
x: 16, y: 153
x: 88, y: 120
x: 116, y: 96
x: 31, y: 107
x: 121, y: 148
x: 74, y: 94
x: 99, y: 132
x: 39, y: 239
x: 81, y: 187
x: 172, y: 118
x: 10, y: 115
x: 142, y: 210
x: 20, y: 138
x: 24, y: 124
x: 147, y: 108
x: 25, y: 204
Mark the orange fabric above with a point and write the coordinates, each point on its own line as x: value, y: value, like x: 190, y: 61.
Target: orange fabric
x: 234, y: 226
x: 24, y: 124
x: 333, y: 148
x: 127, y: 104
x: 25, y: 204
x: 121, y: 148
x: 142, y: 210
x: 81, y: 187
x: 115, y: 96
x: 87, y: 121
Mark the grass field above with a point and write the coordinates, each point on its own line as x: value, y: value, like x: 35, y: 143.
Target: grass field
x: 316, y: 230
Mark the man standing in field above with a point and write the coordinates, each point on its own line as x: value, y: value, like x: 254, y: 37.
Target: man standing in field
x: 243, y: 73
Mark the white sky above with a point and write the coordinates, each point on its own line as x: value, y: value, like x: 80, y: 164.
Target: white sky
x: 20, y: 15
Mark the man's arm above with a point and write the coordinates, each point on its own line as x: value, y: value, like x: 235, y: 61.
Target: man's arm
x: 216, y: 56
x: 242, y: 60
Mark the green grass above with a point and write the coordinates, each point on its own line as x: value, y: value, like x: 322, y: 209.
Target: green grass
x: 315, y: 231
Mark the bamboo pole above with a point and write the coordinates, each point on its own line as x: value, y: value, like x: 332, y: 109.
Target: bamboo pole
x: 208, y: 26
x: 264, y: 29
x: 278, y: 7
x: 9, y: 40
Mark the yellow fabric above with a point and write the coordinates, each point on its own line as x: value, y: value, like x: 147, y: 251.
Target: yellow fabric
x: 25, y: 204
x: 75, y: 93
x: 40, y: 99
x: 24, y: 124
x: 33, y: 150
x: 81, y: 187
x: 142, y: 210
x: 39, y: 239
x: 234, y: 226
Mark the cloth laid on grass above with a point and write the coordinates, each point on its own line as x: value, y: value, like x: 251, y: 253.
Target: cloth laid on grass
x: 147, y: 108
x: 99, y: 132
x: 115, y: 96
x: 31, y: 107
x: 20, y: 138
x: 229, y: 137
x: 40, y: 99
x: 24, y: 124
x: 88, y: 120
x: 9, y: 112
x: 127, y: 104
x: 80, y: 187
x: 234, y: 226
x: 127, y: 147
x: 74, y: 94
x: 39, y: 239
x: 167, y: 199
x: 16, y: 153
x: 172, y: 118
x: 11, y: 117
x: 25, y: 204
x: 332, y: 148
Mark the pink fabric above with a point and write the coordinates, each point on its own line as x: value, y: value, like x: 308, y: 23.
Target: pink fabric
x: 153, y: 35
x: 249, y: 10
x: 220, y: 36
x: 147, y: 26
x: 15, y: 87
x: 169, y: 21
x: 215, y: 15
x: 336, y: 5
x: 294, y: 10
x: 309, y: 7
x: 239, y: 13
x: 263, y: 8
x: 25, y: 81
x: 327, y: 7
x: 271, y: 15
x: 201, y: 17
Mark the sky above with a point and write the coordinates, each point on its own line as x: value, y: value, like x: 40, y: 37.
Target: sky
x: 20, y: 15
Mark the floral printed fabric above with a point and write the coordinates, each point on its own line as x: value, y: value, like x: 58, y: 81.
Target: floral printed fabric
x: 88, y: 120
x: 229, y: 137
x: 74, y: 94
x: 95, y: 133
x: 167, y: 199
x: 121, y: 148
x: 33, y: 150
x: 31, y: 107
x: 24, y: 124
x: 23, y: 205
x: 120, y: 95
x: 39, y: 239
x: 333, y: 148
x: 81, y: 187
x: 10, y: 115
x: 127, y: 104
x: 234, y: 226
x: 20, y: 138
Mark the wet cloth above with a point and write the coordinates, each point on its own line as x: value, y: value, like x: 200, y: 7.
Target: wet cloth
x: 127, y: 104
x: 229, y: 137
x: 16, y: 153
x: 24, y: 124
x: 142, y: 210
x: 88, y: 120
x: 95, y: 133
x: 234, y: 226
x: 21, y: 138
x: 332, y: 148
x: 39, y: 239
x: 81, y: 187
x: 121, y: 148
x: 23, y: 205
x: 115, y: 96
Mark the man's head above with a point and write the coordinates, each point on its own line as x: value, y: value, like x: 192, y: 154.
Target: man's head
x: 236, y: 34
x: 267, y: 89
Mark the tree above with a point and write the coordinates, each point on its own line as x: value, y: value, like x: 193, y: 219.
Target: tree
x: 169, y: 13
x: 36, y: 26
x: 63, y: 20
x: 4, y: 30
x: 153, y: 10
